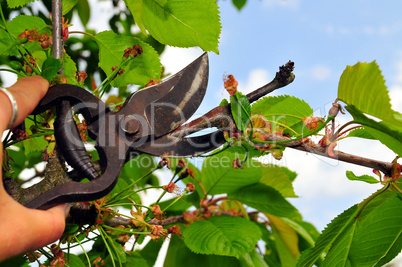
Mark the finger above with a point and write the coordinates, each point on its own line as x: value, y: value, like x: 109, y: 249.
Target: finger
x: 27, y: 91
x: 46, y: 226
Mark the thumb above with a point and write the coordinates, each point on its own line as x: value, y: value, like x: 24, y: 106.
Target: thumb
x: 36, y: 228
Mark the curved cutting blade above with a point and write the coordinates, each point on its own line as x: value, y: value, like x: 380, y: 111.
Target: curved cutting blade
x: 169, y: 104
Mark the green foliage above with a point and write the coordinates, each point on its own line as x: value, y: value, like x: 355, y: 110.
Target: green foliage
x: 265, y: 199
x: 18, y: 3
x: 74, y: 261
x: 179, y: 254
x: 389, y: 134
x: 239, y: 4
x: 285, y: 111
x: 365, y: 178
x: 138, y: 70
x: 84, y: 11
x: 361, y: 133
x: 218, y: 176
x: 286, y: 241
x: 333, y: 231
x: 253, y: 259
x: 221, y: 235
x: 10, y: 42
x: 50, y: 67
x: 67, y: 5
x: 179, y: 23
x: 20, y: 261
x: 378, y: 233
x: 363, y: 86
x: 241, y: 110
x: 35, y: 143
x: 367, y: 236
x: 279, y: 178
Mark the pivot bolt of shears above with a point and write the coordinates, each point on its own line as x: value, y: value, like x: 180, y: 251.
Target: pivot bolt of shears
x: 130, y: 124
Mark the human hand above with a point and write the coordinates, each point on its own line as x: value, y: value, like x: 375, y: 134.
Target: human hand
x: 24, y: 229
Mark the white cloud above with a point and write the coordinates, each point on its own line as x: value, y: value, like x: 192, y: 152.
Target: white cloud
x: 395, y: 90
x: 256, y: 79
x: 321, y: 72
x: 175, y: 59
x: 395, y: 94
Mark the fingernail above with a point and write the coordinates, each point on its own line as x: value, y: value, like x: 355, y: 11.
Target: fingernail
x: 66, y: 209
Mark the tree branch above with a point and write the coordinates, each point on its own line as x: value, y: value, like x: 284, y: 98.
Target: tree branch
x: 385, y: 167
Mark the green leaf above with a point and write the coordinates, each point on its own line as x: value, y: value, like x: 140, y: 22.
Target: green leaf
x: 67, y: 5
x: 71, y: 228
x: 271, y: 256
x: 378, y: 235
x: 280, y: 178
x: 69, y: 69
x: 50, y: 68
x: 222, y: 235
x: 286, y: 240
x: 177, y: 208
x: 136, y: 8
x: 7, y: 44
x: 34, y: 144
x: 18, y: 3
x: 371, y: 238
x: 338, y: 254
x: 135, y: 259
x: 252, y: 259
x: 239, y: 4
x: 365, y: 178
x: 74, y: 260
x: 333, y: 230
x: 265, y: 199
x: 84, y: 11
x: 306, y: 230
x: 150, y: 251
x: 19, y: 261
x: 288, y: 110
x: 361, y: 133
x: 179, y: 254
x: 218, y: 175
x: 139, y: 69
x: 9, y: 41
x: 139, y: 167
x: 241, y: 110
x: 224, y: 102
x: 387, y: 133
x: 179, y: 23
x: 363, y: 86
x: 118, y: 252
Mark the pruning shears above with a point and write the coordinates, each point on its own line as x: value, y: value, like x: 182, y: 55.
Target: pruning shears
x: 146, y: 123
